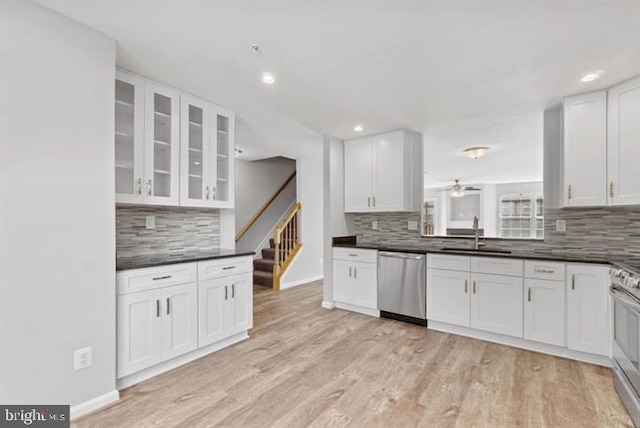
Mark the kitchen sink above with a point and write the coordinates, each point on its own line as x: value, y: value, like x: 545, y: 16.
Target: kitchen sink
x: 479, y: 250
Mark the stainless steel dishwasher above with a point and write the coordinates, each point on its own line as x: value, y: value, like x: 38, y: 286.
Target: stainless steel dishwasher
x: 402, y: 290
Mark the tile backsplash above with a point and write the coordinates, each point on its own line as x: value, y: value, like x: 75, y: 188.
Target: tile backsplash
x: 608, y: 232
x: 177, y: 230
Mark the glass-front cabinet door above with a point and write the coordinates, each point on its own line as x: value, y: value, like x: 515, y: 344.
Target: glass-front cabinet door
x: 129, y: 138
x: 222, y: 171
x: 195, y: 154
x: 162, y: 150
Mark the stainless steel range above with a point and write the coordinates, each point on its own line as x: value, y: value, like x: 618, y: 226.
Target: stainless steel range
x: 625, y: 289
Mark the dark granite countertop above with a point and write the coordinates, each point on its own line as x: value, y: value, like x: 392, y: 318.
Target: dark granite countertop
x: 350, y: 242
x: 144, y: 261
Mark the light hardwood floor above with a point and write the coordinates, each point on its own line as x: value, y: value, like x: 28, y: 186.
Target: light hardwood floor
x: 307, y: 366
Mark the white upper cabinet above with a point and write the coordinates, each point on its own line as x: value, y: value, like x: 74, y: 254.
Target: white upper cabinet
x: 195, y: 168
x: 222, y: 163
x: 207, y: 154
x: 129, y: 138
x: 383, y: 173
x: 147, y: 142
x: 585, y: 150
x: 162, y: 146
x: 624, y: 143
x: 358, y: 175
x: 171, y: 148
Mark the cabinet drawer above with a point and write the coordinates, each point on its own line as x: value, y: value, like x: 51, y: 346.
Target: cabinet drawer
x: 541, y: 269
x: 449, y: 262
x: 223, y: 267
x: 355, y: 254
x: 132, y: 281
x: 496, y: 266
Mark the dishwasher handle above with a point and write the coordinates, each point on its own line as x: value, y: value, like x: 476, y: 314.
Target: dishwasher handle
x: 401, y: 255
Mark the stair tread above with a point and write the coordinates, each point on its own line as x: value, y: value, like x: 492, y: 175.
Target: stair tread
x: 262, y: 273
x: 270, y: 261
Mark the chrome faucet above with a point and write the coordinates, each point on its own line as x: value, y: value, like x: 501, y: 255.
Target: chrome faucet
x: 476, y: 229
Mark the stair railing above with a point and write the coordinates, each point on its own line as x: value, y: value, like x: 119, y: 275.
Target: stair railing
x: 286, y: 238
x: 264, y: 207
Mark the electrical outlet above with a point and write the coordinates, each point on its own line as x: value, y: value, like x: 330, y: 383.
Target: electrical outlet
x: 150, y: 222
x: 374, y: 225
x: 82, y: 358
x: 412, y: 225
x: 561, y: 226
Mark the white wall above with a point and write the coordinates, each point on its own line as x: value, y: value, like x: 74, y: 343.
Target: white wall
x: 57, y: 207
x: 307, y: 265
x: 553, y: 156
x: 336, y: 222
x: 256, y: 182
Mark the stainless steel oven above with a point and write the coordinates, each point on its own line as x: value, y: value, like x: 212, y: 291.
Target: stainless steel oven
x: 626, y: 339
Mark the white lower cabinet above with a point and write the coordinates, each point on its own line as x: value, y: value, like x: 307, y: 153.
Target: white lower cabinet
x: 448, y: 296
x: 155, y: 325
x: 225, y: 307
x: 355, y: 278
x: 168, y: 311
x: 496, y: 303
x: 588, y: 309
x: 544, y: 311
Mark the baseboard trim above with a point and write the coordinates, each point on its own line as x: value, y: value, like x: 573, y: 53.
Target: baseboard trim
x: 517, y: 342
x: 328, y: 305
x: 358, y: 309
x: 156, y: 370
x: 301, y: 282
x: 94, y: 404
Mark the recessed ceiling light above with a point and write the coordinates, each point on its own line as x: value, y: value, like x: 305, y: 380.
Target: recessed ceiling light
x: 358, y: 128
x: 268, y: 78
x: 590, y: 77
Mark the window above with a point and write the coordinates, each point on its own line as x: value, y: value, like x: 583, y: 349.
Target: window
x: 521, y: 215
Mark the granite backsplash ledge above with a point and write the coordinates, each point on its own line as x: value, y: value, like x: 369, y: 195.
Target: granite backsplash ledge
x: 611, y: 233
x: 177, y: 230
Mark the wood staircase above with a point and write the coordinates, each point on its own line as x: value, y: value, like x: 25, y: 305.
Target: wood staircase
x: 284, y: 246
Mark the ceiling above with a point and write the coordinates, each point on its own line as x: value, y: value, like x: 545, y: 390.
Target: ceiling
x: 386, y: 65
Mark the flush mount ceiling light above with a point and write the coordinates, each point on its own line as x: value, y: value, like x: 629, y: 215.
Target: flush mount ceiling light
x: 590, y: 77
x: 476, y: 152
x: 358, y: 128
x: 268, y: 78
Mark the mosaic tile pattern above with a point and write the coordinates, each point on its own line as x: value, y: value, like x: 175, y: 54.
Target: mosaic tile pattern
x: 177, y: 230
x: 610, y: 232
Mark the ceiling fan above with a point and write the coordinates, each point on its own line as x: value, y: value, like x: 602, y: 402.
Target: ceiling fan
x: 457, y: 190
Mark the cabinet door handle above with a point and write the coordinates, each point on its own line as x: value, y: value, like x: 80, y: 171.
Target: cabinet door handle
x: 233, y: 291
x: 158, y: 278
x: 139, y: 186
x: 611, y: 189
x: 474, y: 287
x: 349, y: 271
x: 355, y: 272
x: 214, y: 192
x: 149, y: 186
x: 168, y: 306
x: 529, y: 294
x: 225, y: 292
x: 569, y: 192
x: 228, y: 267
x: 369, y: 201
x: 374, y: 202
x: 207, y: 192
x: 573, y: 281
x: 157, y: 308
x: 466, y: 283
